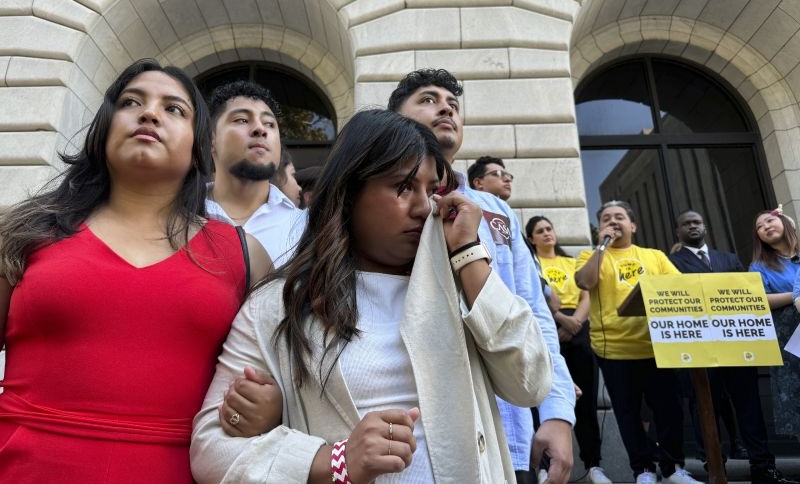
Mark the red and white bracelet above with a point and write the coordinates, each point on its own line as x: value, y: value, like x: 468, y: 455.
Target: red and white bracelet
x: 338, y: 464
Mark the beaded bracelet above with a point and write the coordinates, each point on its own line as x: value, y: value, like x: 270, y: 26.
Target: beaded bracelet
x: 338, y: 464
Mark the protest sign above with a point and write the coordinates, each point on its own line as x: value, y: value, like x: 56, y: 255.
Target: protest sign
x: 707, y: 320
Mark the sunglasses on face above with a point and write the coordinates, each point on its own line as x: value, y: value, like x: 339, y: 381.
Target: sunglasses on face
x: 499, y: 174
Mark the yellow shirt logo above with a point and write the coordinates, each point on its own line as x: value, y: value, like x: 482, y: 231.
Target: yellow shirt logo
x: 629, y: 271
x: 556, y: 277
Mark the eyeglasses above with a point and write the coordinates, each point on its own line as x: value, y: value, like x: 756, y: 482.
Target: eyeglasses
x: 499, y: 174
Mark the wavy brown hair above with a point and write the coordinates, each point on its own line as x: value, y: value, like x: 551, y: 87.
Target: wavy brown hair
x: 320, y: 281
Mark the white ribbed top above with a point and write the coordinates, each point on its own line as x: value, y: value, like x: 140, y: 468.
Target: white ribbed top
x: 376, y: 366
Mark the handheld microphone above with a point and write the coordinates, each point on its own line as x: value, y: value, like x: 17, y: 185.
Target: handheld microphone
x: 604, y: 243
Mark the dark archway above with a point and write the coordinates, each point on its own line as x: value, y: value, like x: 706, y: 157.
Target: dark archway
x: 668, y: 136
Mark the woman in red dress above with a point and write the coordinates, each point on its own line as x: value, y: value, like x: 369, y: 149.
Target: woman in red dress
x: 116, y: 294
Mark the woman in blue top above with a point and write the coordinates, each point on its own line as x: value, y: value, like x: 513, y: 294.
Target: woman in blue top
x: 776, y: 255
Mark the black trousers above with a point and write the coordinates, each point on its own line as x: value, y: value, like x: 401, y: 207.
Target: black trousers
x: 582, y: 365
x: 627, y: 382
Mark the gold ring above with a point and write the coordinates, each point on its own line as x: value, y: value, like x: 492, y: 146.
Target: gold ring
x: 234, y: 420
x: 391, y: 434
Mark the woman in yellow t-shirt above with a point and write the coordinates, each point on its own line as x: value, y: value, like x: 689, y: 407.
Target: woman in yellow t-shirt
x: 558, y: 269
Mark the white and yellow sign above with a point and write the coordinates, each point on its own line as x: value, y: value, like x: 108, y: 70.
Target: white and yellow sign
x: 707, y: 320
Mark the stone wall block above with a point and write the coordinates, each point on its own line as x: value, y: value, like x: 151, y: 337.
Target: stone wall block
x: 407, y: 30
x: 565, y: 10
x: 456, y: 3
x: 242, y: 11
x: 328, y: 69
x: 655, y: 27
x: 547, y: 140
x: 750, y: 18
x: 787, y: 191
x: 84, y: 88
x: 787, y: 59
x: 272, y: 38
x: 315, y: 21
x: 333, y: 25
x: 497, y: 140
x: 608, y: 38
x: 120, y: 16
x: 696, y: 53
x: 270, y: 12
x: 108, y: 42
x: 362, y: 11
x: 549, y: 182
x: 631, y: 31
x: 27, y: 148
x: 214, y: 12
x: 247, y: 36
x: 30, y: 71
x: 514, y: 27
x: 4, y: 61
x: 16, y: 7
x: 294, y: 44
x: 31, y: 108
x: 524, y: 101
x: 34, y: 37
x: 159, y: 26
x: 313, y: 55
x: 571, y: 223
x: 774, y: 33
x: 339, y: 86
x: 183, y: 16
x: 538, y: 63
x: 223, y: 39
x: 20, y: 182
x: 70, y: 14
x: 772, y: 153
x: 73, y: 112
x: 373, y: 94
x: 137, y: 41
x: 384, y: 67
x: 467, y: 63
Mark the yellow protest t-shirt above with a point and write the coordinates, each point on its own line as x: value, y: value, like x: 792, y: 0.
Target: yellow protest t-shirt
x: 616, y: 337
x: 559, y: 272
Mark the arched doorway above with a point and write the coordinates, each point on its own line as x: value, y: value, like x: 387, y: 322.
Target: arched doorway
x: 667, y: 136
x: 307, y: 123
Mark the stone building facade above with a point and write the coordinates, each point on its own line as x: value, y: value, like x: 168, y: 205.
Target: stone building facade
x: 521, y: 62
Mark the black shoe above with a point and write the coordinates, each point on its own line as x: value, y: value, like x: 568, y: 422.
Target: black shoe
x: 739, y: 452
x: 769, y: 476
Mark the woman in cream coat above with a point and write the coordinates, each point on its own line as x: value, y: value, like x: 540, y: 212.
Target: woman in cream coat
x: 384, y: 353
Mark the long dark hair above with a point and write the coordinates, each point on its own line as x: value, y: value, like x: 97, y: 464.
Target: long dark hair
x: 57, y: 212
x: 321, y: 278
x: 531, y: 225
x: 763, y: 252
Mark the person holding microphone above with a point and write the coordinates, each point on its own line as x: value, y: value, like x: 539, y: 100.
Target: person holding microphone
x: 623, y: 347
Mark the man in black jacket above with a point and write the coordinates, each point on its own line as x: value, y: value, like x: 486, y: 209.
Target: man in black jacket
x: 741, y: 383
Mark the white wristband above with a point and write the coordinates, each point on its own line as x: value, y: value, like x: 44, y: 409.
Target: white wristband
x: 472, y: 254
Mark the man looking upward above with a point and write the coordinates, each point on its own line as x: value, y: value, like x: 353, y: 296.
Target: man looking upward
x: 430, y: 97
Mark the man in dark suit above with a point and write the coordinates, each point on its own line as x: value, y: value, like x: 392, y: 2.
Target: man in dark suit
x: 741, y: 383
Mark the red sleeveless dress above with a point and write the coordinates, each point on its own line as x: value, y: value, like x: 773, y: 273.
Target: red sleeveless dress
x: 107, y: 364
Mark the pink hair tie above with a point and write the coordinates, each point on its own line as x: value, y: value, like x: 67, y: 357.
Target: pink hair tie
x: 778, y: 212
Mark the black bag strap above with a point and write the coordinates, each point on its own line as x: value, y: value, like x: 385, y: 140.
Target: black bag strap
x: 246, y: 253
